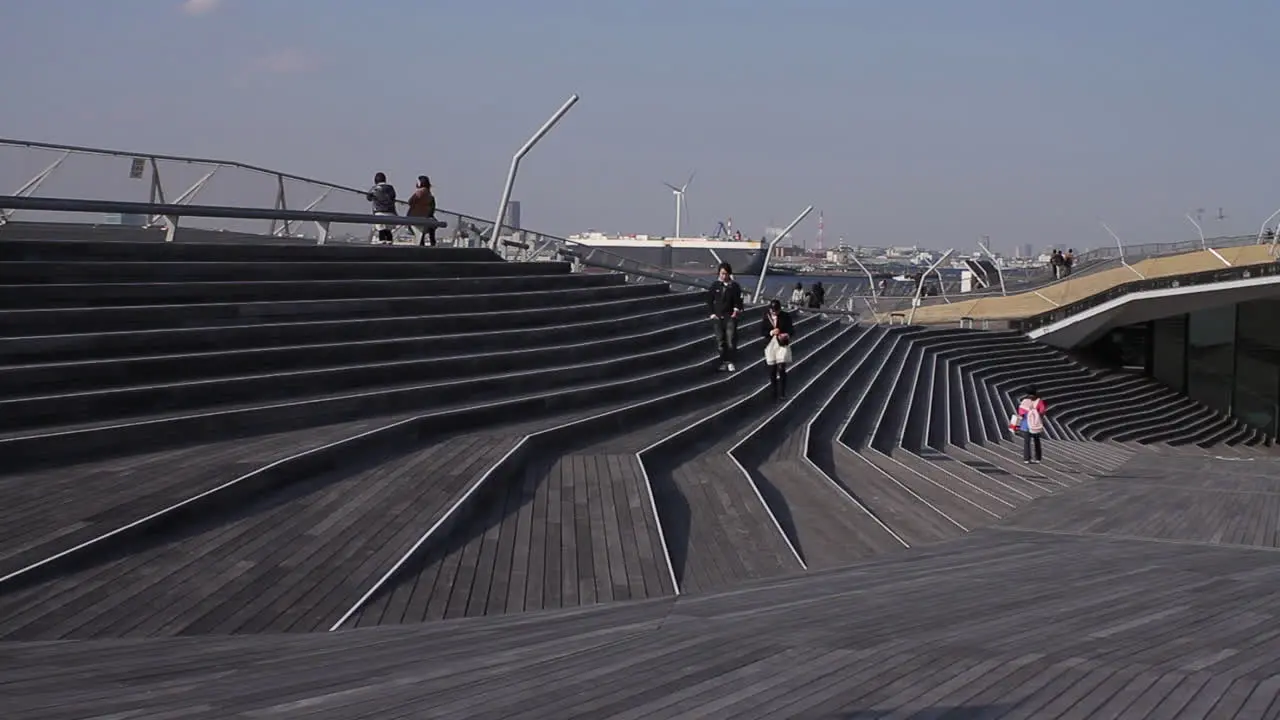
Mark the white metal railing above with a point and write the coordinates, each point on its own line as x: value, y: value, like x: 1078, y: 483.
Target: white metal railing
x: 173, y: 213
x: 102, y: 174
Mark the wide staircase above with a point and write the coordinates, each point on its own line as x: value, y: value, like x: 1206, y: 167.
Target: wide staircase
x: 211, y: 439
x: 254, y: 439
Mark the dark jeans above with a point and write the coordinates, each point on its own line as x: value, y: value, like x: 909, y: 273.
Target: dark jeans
x: 778, y: 380
x: 1030, y: 440
x: 726, y: 338
x: 425, y: 234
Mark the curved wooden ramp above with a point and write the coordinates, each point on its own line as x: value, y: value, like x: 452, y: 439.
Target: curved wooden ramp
x: 1022, y: 305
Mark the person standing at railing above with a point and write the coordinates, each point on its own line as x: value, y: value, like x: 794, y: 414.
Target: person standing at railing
x: 817, y: 296
x: 1068, y: 260
x: 1055, y: 263
x: 797, y: 296
x: 383, y: 197
x: 423, y: 204
x: 724, y: 300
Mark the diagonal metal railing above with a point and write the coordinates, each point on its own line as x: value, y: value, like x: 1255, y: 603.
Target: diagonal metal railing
x: 62, y: 172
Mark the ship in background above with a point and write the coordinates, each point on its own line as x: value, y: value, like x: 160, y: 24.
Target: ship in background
x: 686, y: 255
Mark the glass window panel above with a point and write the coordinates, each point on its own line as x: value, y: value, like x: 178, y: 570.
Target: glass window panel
x: 1169, y: 352
x: 1211, y: 356
x: 1257, y: 386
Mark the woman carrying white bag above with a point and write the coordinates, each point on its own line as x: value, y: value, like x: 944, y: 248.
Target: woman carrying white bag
x: 778, y: 329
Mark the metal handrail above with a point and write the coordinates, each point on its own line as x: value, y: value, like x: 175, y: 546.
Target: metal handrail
x: 323, y: 219
x: 85, y: 150
x: 468, y: 223
x: 172, y: 213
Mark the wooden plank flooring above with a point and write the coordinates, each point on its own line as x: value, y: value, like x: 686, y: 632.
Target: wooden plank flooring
x: 1194, y: 504
x: 718, y: 531
x: 998, y: 624
x: 825, y: 525
x: 648, y: 434
x: 577, y: 532
x: 44, y: 513
x: 904, y: 513
x: 294, y: 560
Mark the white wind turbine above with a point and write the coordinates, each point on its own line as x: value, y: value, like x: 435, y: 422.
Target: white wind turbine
x: 679, y: 194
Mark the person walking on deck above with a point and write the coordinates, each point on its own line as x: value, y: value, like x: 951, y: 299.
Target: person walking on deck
x: 798, y: 296
x: 777, y: 330
x: 724, y: 300
x: 1029, y: 423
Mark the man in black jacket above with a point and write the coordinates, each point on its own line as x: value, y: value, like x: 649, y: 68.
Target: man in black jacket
x: 724, y: 299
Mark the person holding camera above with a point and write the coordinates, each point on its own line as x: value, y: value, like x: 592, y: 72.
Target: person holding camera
x: 778, y: 330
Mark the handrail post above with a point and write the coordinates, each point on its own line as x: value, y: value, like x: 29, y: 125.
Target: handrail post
x: 1203, y: 245
x: 1120, y: 245
x: 1262, y: 230
x: 191, y: 192
x: 915, y: 302
x: 870, y: 278
x: 768, y: 252
x: 515, y: 167
x: 281, y: 205
x: 996, y: 263
x: 34, y: 184
x: 157, y: 189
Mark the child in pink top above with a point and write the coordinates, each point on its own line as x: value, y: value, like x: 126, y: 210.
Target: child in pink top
x: 1031, y: 410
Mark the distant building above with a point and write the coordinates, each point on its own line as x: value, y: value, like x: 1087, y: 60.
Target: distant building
x: 512, y: 217
x: 125, y: 219
x: 1027, y: 251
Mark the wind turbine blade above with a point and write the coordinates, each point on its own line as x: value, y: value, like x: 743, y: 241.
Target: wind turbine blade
x: 673, y: 187
x: 690, y: 180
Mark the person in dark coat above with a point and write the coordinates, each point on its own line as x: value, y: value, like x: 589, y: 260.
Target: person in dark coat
x: 777, y: 330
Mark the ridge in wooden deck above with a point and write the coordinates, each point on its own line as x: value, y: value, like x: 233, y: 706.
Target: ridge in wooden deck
x: 650, y: 433
x: 578, y: 530
x: 906, y: 514
x: 46, y: 512
x: 825, y: 525
x: 717, y: 529
x: 293, y: 560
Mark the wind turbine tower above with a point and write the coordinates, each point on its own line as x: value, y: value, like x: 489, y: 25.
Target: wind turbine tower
x: 678, y: 192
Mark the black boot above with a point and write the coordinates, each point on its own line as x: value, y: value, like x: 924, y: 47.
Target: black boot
x: 781, y: 392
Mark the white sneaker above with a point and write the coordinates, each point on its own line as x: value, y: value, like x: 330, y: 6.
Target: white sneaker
x: 731, y: 367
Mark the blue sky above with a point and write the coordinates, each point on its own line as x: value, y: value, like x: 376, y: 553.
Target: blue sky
x: 930, y: 121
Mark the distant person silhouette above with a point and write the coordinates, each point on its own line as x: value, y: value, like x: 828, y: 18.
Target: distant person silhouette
x: 383, y: 197
x: 423, y: 204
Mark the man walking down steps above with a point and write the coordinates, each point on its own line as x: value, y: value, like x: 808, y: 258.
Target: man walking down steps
x: 724, y: 299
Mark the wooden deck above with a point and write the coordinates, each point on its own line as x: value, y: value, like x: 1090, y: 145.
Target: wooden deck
x: 1074, y: 289
x: 579, y: 532
x: 1111, y: 580
x: 1035, y: 621
x: 47, y: 512
x: 294, y: 560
